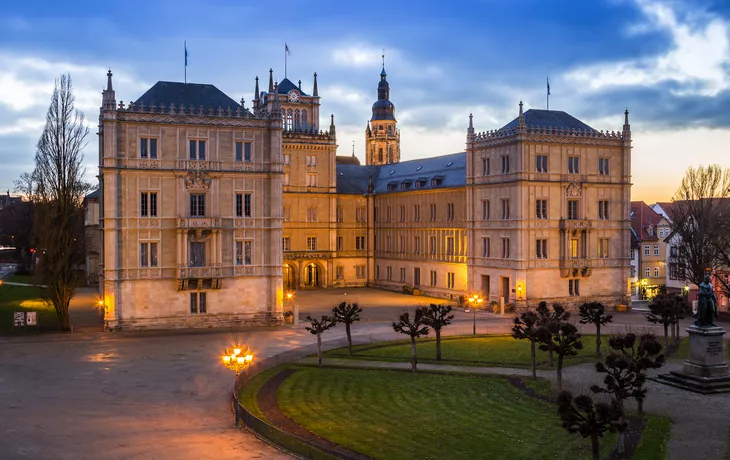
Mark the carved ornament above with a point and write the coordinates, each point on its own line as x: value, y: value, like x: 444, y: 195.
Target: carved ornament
x: 197, y: 180
x: 573, y: 190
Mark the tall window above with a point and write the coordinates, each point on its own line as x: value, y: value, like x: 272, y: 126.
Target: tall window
x: 416, y: 244
x: 389, y: 273
x: 603, y: 209
x: 433, y: 212
x: 243, y: 151
x: 311, y: 180
x: 574, y: 248
x: 449, y: 211
x: 450, y: 280
x: 647, y: 272
x: 505, y: 209
x: 450, y: 245
x: 311, y: 160
x: 573, y: 165
x: 541, y: 209
x: 416, y: 276
x: 360, y: 243
x: 148, y: 147
x: 340, y: 217
x: 340, y: 272
x: 656, y: 249
x: 432, y: 244
x: 340, y: 243
x: 311, y: 243
x: 243, y: 252
x: 486, y: 247
x: 485, y: 166
x: 198, y: 303
x: 656, y: 272
x: 287, y: 213
x: 387, y: 243
x: 148, y: 204
x: 603, y: 166
x: 197, y: 149
x: 402, y: 244
x: 505, y: 248
x: 148, y: 254
x: 603, y: 248
x: 541, y: 248
x: 360, y: 272
x: 505, y: 164
x: 197, y: 254
x: 573, y: 210
x: 312, y: 214
x: 197, y: 205
x: 287, y: 159
x: 286, y: 244
x: 541, y: 163
x: 574, y: 287
x: 433, y: 278
x: 647, y: 250
x: 387, y: 214
x: 402, y: 275
x: 287, y: 179
x: 485, y: 209
x: 416, y: 213
x: 360, y: 214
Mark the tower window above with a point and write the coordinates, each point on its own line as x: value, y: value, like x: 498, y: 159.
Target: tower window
x: 380, y: 154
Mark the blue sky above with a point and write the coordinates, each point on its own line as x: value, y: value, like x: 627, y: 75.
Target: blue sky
x: 667, y: 61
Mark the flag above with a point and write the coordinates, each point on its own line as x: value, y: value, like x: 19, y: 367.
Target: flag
x: 186, y: 53
x: 286, y: 48
x: 548, y: 86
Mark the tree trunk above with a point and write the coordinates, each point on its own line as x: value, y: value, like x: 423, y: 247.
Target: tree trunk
x: 550, y: 358
x: 598, y: 341
x: 62, y: 315
x: 594, y: 445
x: 666, y: 337
x: 621, y: 439
x: 349, y: 338
x: 413, y: 351
x: 532, y: 353
x: 560, y: 373
x: 641, y: 405
x: 319, y: 349
x: 438, y: 344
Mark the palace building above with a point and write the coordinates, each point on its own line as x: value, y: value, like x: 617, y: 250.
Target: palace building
x: 211, y: 210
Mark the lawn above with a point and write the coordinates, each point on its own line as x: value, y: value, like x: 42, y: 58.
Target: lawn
x: 469, y: 350
x: 399, y: 415
x: 24, y: 298
x: 653, y: 443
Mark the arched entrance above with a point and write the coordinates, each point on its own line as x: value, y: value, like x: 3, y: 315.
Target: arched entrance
x: 290, y: 279
x: 312, y: 276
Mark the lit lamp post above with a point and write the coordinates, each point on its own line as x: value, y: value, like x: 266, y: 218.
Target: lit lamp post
x: 100, y: 303
x: 475, y: 300
x: 237, y: 360
x: 294, y: 307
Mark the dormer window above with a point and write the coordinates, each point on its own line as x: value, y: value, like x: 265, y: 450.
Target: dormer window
x: 405, y: 185
x: 421, y: 182
x: 392, y: 186
x: 436, y: 181
x: 650, y: 230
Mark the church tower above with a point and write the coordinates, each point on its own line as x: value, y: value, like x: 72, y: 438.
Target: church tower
x: 382, y: 138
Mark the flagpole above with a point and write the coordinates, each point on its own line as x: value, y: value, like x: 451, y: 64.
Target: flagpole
x: 547, y: 96
x: 186, y: 61
x: 285, y: 53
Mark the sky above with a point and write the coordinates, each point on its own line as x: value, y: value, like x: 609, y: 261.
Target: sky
x: 667, y: 61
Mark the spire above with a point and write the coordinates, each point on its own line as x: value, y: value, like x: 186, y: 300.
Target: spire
x: 271, y: 80
x: 256, y: 90
x: 627, y: 126
x: 243, y: 103
x: 470, y: 130
x: 521, y: 116
x: 275, y: 93
x: 383, y: 74
x: 471, y: 122
x: 353, y: 148
x: 109, y: 81
x: 332, y: 123
x: 315, y: 93
x: 108, y: 99
x: 368, y: 131
x: 300, y: 86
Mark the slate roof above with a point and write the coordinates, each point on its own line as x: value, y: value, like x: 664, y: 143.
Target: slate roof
x: 195, y: 94
x: 353, y: 179
x: 93, y: 195
x: 554, y: 118
x: 347, y: 160
x: 641, y: 217
x: 287, y: 85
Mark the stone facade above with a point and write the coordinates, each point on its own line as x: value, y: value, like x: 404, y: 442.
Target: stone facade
x: 92, y: 238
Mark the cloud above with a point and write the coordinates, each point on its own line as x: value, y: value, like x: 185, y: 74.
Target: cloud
x: 23, y: 126
x: 695, y: 63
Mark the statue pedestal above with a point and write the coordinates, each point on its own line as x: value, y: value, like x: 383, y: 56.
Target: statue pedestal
x: 705, y: 371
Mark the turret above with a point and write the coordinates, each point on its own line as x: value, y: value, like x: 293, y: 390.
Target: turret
x: 470, y: 130
x: 521, y: 117
x: 332, y: 124
x: 315, y: 92
x: 271, y: 80
x: 256, y: 94
x: 627, y: 126
x: 108, y: 98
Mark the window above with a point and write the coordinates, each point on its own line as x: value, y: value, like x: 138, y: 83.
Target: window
x: 603, y: 166
x: 387, y: 214
x: 360, y: 214
x: 449, y: 211
x: 436, y: 181
x: 340, y: 243
x: 339, y: 214
x: 387, y: 243
x: 402, y: 275
x: 574, y: 287
x: 360, y: 272
x: 287, y: 213
x: 417, y: 276
x: 311, y: 243
x: 432, y: 244
x: 197, y: 254
x: 632, y: 272
x: 486, y: 247
x: 656, y: 272
x: 541, y: 164
x: 433, y: 278
x: 541, y: 248
x: 197, y: 149
x: 375, y: 242
x: 392, y: 186
x: 312, y: 214
x: 505, y: 164
x: 402, y: 244
x: 287, y: 179
x: 389, y: 273
x: 573, y: 165
x: 148, y: 204
x: 377, y: 270
x: 360, y: 243
x: 505, y: 209
x: 243, y: 205
x: 198, y: 303
x: 243, y: 252
x: 311, y: 180
x: 450, y: 245
x: 243, y: 151
x: 432, y: 216
x: 340, y: 272
x: 485, y: 166
x: 311, y: 160
x: 603, y: 248
x: 505, y: 248
x: 647, y: 272
x: 673, y: 251
x: 287, y: 159
x: 661, y: 232
x: 148, y: 147
x: 485, y: 209
x: 656, y: 249
x: 672, y: 271
x: 148, y: 254
x: 603, y: 209
x: 416, y: 213
x: 573, y: 210
x: 286, y: 244
x: 416, y: 244
x: 647, y: 250
x: 541, y: 209
x: 402, y: 213
x: 197, y: 205
x: 450, y: 280
x: 574, y: 248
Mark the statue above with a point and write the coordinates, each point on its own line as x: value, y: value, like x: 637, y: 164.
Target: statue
x: 706, y: 305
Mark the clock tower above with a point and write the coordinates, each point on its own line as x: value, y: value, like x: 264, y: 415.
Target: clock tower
x: 382, y: 137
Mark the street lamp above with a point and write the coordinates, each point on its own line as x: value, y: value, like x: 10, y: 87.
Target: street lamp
x: 237, y: 359
x: 475, y: 300
x: 100, y: 304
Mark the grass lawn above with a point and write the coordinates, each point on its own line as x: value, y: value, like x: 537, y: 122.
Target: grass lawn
x: 653, y: 443
x: 248, y: 394
x: 27, y: 279
x: 399, y: 415
x: 469, y: 350
x: 24, y: 298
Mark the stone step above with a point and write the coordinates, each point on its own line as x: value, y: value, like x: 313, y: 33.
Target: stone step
x: 694, y: 383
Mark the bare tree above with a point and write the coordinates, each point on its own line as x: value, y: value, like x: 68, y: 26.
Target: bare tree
x: 318, y: 326
x: 414, y: 328
x: 526, y: 327
x: 595, y: 313
x: 700, y: 215
x: 590, y: 419
x: 347, y: 313
x: 57, y: 188
x: 438, y: 317
x: 559, y: 335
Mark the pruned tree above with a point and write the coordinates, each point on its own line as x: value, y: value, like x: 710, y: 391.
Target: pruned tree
x: 625, y: 368
x: 560, y: 337
x: 700, y: 217
x: 317, y: 327
x: 545, y: 318
x: 437, y: 317
x: 414, y: 328
x: 667, y: 310
x: 591, y: 419
x: 57, y: 189
x: 347, y: 313
x: 595, y: 313
x: 526, y: 327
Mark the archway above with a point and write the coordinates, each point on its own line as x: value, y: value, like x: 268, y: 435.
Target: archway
x: 290, y: 278
x: 313, y: 275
